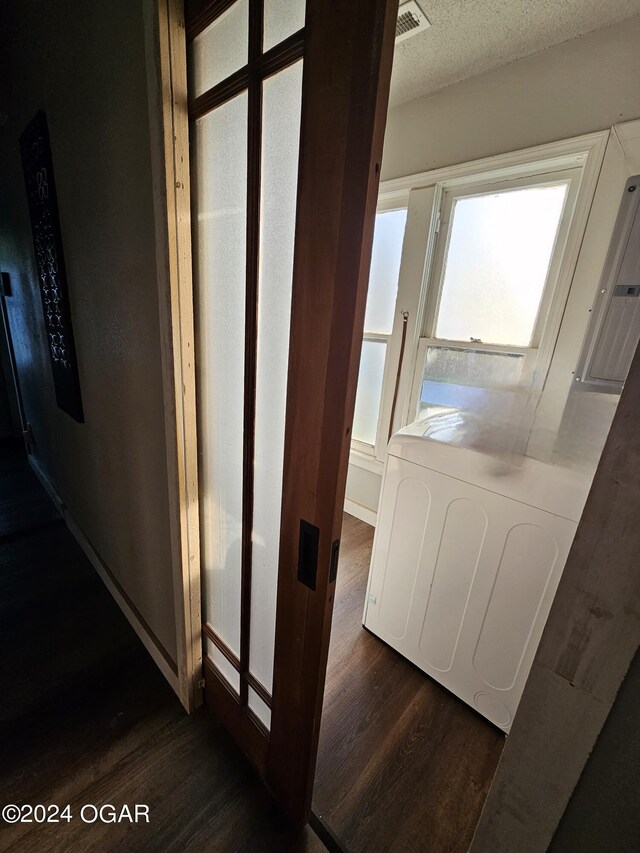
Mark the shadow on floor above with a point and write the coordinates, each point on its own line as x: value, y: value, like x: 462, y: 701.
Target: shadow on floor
x: 87, y: 718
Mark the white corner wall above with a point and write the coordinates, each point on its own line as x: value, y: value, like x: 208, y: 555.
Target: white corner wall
x: 85, y: 67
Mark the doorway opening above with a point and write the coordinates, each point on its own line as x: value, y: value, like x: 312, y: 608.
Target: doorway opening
x: 494, y: 362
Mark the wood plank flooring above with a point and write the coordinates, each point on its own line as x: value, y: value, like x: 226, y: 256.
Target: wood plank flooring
x: 403, y: 765
x: 86, y: 717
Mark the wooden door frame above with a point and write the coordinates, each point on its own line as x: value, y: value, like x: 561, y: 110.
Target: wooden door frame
x: 519, y: 812
x: 166, y: 60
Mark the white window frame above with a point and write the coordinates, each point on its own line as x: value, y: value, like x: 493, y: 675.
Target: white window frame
x: 423, y: 194
x: 370, y: 455
x: 540, y: 349
x: 364, y: 447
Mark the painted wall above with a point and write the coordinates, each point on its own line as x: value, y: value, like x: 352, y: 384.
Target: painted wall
x: 363, y: 491
x: 587, y: 84
x: 603, y: 813
x: 584, y: 85
x: 87, y: 71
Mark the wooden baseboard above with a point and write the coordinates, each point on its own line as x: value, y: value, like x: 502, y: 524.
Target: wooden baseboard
x: 362, y: 512
x: 149, y: 640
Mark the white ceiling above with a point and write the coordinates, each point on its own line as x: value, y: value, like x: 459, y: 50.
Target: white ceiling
x: 467, y: 37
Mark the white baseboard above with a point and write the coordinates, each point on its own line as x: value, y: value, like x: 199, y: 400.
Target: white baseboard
x: 361, y: 512
x: 142, y: 630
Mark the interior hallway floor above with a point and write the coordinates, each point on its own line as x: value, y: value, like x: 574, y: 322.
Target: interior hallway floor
x: 86, y: 717
x: 403, y: 764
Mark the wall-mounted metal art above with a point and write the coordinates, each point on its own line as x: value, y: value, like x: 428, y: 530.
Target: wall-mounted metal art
x: 45, y: 224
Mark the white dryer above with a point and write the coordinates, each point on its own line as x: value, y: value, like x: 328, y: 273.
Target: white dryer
x: 468, y: 552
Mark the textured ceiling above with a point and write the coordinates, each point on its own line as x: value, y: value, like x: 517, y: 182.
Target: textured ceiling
x: 468, y: 37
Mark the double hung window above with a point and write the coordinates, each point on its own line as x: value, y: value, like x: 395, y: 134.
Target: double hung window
x: 475, y: 262
x: 378, y: 325
x: 491, y: 289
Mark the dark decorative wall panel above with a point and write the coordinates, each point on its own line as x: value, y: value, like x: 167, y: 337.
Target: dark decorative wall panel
x: 52, y: 279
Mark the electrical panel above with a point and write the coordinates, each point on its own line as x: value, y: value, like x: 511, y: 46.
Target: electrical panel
x: 614, y: 330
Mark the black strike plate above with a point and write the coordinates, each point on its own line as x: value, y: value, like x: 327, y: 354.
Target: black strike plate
x: 308, y: 554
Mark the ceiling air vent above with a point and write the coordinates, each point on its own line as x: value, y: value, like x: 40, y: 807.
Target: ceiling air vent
x: 411, y: 20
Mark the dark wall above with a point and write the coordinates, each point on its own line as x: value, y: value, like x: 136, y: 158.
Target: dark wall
x: 83, y: 63
x: 8, y: 420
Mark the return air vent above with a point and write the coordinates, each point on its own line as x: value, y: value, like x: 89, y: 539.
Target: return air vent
x: 411, y: 20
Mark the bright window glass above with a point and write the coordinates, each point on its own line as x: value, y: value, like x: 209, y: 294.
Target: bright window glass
x: 378, y: 323
x: 262, y: 712
x: 365, y: 420
x: 385, y: 269
x: 463, y: 378
x: 282, y: 18
x: 496, y: 264
x: 221, y: 49
x: 282, y: 100
x: 220, y: 182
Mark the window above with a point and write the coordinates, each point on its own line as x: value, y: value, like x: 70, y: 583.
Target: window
x: 488, y: 256
x: 470, y: 273
x: 496, y: 264
x: 492, y: 284
x: 378, y: 324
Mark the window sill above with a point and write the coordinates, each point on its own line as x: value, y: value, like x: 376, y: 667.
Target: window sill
x: 366, y: 461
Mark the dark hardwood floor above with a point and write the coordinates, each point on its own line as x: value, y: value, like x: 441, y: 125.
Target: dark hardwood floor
x: 86, y: 717
x: 403, y: 765
x: 23, y: 502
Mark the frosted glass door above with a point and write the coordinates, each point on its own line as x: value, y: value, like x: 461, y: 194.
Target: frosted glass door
x: 279, y: 182
x: 245, y: 140
x: 286, y: 100
x: 220, y: 257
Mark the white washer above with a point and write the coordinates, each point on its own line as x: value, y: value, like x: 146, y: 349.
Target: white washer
x: 468, y: 552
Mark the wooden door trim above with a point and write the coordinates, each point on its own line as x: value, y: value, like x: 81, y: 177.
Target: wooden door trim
x: 222, y: 647
x: 235, y: 662
x: 347, y: 71
x: 165, y: 50
x: 276, y: 59
x: 243, y: 725
x: 201, y: 13
x: 254, y: 169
